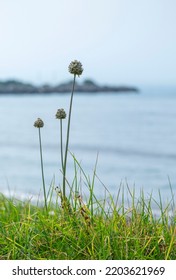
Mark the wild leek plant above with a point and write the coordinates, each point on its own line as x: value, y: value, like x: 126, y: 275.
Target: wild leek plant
x: 60, y: 114
x: 75, y: 68
x: 39, y: 124
x: 90, y: 228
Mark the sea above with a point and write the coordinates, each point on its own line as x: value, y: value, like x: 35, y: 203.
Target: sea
x: 121, y: 141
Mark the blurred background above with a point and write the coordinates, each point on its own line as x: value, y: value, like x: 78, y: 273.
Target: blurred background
x: 120, y: 43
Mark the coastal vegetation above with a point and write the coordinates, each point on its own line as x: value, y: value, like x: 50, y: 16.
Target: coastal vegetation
x: 67, y: 225
x: 86, y: 230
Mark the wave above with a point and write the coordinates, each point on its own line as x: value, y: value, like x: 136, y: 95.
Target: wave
x: 113, y: 150
x: 123, y: 151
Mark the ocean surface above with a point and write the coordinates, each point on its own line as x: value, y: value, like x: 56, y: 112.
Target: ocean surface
x: 133, y: 137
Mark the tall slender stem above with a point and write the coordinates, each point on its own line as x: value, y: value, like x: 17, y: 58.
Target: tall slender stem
x: 67, y: 140
x: 61, y: 143
x: 43, y: 179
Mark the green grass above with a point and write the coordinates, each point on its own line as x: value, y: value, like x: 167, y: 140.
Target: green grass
x: 92, y: 230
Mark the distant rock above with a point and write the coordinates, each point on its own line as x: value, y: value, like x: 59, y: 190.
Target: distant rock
x: 13, y: 86
x: 88, y: 86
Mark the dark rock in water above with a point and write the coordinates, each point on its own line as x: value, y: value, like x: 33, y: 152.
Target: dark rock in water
x: 88, y: 86
x: 12, y: 86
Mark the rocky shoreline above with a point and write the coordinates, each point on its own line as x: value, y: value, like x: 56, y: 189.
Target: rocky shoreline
x: 88, y: 86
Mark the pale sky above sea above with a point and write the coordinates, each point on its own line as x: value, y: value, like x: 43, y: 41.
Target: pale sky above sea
x: 131, y: 42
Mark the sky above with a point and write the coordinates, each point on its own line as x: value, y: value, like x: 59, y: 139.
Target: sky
x: 119, y: 42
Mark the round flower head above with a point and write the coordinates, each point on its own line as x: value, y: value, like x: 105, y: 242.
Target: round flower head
x: 60, y: 114
x: 75, y: 67
x: 38, y: 123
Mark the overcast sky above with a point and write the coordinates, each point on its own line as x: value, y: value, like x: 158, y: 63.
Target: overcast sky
x: 118, y: 41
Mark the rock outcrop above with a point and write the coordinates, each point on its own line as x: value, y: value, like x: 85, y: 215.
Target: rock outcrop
x: 88, y: 86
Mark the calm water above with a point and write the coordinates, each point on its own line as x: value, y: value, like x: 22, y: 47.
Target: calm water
x: 133, y: 135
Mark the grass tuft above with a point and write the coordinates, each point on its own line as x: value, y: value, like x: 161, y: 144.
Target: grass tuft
x: 92, y: 230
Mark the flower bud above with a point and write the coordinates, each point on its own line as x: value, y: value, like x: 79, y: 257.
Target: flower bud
x: 75, y: 67
x: 38, y: 123
x: 60, y: 114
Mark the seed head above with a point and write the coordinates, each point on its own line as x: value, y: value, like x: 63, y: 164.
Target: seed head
x: 75, y: 67
x: 60, y: 114
x: 39, y: 123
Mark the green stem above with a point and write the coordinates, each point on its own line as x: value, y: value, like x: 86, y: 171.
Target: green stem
x: 43, y: 179
x: 67, y: 140
x: 61, y: 143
